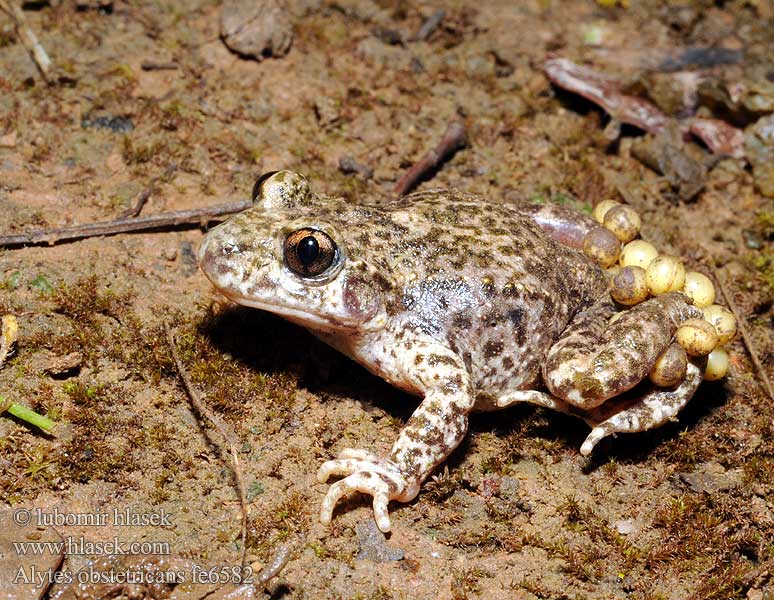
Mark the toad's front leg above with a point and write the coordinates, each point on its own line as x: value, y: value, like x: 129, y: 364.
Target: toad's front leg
x: 434, y: 430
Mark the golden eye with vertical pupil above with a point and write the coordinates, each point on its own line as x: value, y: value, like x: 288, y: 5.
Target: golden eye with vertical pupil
x: 309, y: 252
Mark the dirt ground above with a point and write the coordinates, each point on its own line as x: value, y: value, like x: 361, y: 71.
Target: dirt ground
x: 148, y: 91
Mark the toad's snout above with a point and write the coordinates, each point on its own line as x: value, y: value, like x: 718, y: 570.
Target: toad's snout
x: 214, y: 255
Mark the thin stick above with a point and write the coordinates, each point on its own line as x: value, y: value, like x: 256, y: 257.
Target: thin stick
x: 143, y: 197
x: 278, y: 562
x: 430, y: 25
x: 745, y: 335
x: 125, y: 225
x: 222, y: 427
x: 453, y: 139
x: 149, y: 65
x: 28, y: 37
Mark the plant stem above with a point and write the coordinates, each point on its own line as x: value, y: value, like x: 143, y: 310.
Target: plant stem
x: 28, y: 415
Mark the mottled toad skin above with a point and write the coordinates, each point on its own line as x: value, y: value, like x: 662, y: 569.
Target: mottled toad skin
x: 472, y: 305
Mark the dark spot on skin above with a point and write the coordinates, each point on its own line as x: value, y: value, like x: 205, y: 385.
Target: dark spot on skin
x: 440, y: 359
x: 223, y: 269
x: 507, y: 363
x: 391, y: 488
x: 453, y: 384
x: 461, y: 321
x: 382, y: 282
x: 492, y: 349
x: 515, y: 315
x: 487, y: 286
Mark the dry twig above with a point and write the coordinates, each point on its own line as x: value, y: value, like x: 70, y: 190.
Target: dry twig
x: 149, y: 65
x: 143, y: 197
x: 453, y: 139
x: 278, y: 562
x: 430, y: 25
x: 223, y: 428
x: 28, y: 37
x: 125, y: 225
x: 745, y: 335
x: 720, y: 137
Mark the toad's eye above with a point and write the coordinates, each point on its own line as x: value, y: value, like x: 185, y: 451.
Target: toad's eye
x: 309, y: 252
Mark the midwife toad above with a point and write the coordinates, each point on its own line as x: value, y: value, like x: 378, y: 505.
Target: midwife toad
x: 471, y: 304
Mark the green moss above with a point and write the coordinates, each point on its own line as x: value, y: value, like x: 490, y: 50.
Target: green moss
x: 104, y: 440
x: 41, y: 284
x: 763, y: 264
x: 465, y: 582
x: 11, y: 282
x: 145, y: 151
x: 268, y: 528
x: 84, y: 299
x: 442, y: 486
x: 142, y: 348
x: 235, y: 387
x: 28, y: 467
x: 713, y: 534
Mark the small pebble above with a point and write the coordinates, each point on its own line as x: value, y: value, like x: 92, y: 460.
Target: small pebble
x: 256, y: 28
x: 697, y: 336
x: 638, y: 253
x: 623, y: 221
x: 348, y: 165
x: 117, y: 124
x: 169, y: 253
x: 752, y: 239
x: 600, y: 210
x: 717, y: 365
x: 665, y: 274
x: 723, y: 320
x: 669, y: 368
x: 602, y: 246
x: 698, y: 287
x: 629, y: 287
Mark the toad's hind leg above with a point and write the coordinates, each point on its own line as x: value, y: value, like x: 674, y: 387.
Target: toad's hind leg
x: 602, y: 354
x: 647, y: 411
x: 631, y: 413
x: 566, y: 226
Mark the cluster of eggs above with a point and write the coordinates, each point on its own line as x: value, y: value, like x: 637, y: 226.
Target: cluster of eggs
x: 639, y: 271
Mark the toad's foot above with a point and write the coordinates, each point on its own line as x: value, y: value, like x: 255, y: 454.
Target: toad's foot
x: 651, y: 410
x: 364, y: 472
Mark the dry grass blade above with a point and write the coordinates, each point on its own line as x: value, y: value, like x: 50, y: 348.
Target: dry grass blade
x: 745, y: 335
x: 28, y: 37
x: 223, y: 428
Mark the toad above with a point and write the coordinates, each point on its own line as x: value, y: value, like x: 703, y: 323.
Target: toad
x: 468, y: 303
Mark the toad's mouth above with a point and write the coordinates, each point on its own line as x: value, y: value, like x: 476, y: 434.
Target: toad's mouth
x: 297, y: 316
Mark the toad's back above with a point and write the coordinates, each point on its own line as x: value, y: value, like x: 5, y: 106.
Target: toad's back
x: 482, y: 277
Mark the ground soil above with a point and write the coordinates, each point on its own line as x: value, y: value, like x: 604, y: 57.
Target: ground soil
x: 682, y: 512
